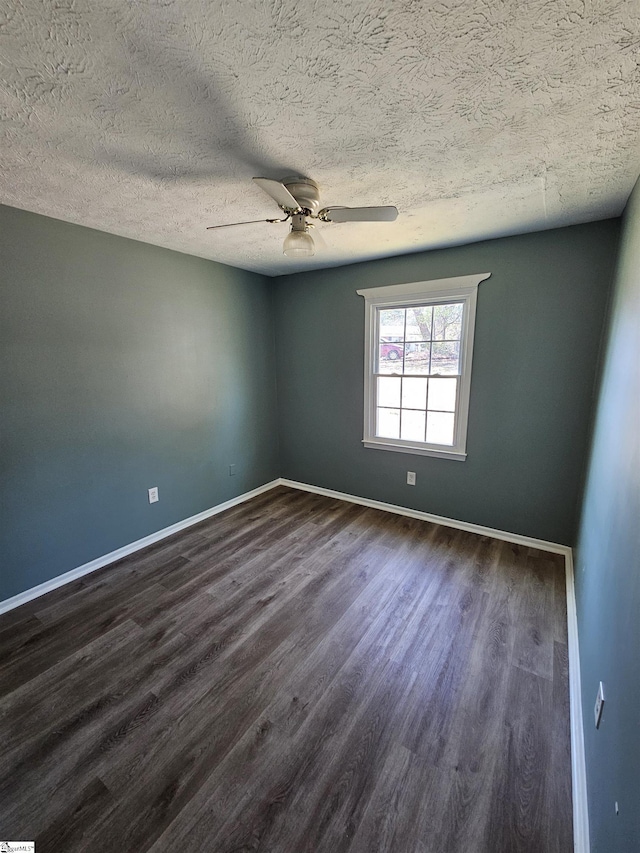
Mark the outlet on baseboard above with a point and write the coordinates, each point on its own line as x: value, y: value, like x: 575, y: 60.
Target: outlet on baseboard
x: 153, y: 495
x: 411, y: 478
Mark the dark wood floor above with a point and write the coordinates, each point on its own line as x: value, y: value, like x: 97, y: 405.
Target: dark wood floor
x: 296, y: 674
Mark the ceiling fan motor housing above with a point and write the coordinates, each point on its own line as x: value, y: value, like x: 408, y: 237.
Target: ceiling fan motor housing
x: 305, y: 191
x: 299, y: 222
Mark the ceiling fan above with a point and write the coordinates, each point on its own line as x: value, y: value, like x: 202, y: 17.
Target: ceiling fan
x: 299, y: 199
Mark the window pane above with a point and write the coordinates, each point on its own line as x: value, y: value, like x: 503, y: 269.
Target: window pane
x: 389, y: 391
x: 416, y: 358
x: 439, y: 428
x: 391, y: 324
x: 414, y: 393
x: 447, y: 322
x: 413, y: 425
x: 419, y: 323
x: 442, y: 394
x: 445, y: 357
x: 390, y: 358
x: 388, y: 423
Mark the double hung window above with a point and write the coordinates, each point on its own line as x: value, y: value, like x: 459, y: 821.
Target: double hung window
x: 419, y: 348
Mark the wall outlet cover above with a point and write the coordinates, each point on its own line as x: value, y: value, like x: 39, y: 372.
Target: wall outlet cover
x: 411, y: 478
x: 153, y: 495
x: 232, y: 470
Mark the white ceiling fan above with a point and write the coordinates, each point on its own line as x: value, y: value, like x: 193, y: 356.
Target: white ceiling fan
x: 299, y: 199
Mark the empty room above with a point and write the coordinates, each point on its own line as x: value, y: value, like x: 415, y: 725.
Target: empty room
x: 319, y: 426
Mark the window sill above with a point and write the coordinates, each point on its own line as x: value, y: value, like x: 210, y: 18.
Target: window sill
x: 378, y: 444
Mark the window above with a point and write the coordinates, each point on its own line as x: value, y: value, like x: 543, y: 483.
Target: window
x: 419, y: 346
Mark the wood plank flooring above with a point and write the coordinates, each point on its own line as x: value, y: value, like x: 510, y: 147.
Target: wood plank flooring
x: 295, y: 675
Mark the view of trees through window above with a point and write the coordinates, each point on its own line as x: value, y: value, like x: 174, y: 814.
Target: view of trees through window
x: 418, y: 372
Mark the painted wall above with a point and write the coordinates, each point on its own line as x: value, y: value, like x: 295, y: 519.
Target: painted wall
x: 538, y: 329
x: 124, y: 366
x: 608, y: 568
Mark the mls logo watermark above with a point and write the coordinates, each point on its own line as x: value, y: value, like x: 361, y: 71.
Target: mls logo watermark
x: 17, y: 846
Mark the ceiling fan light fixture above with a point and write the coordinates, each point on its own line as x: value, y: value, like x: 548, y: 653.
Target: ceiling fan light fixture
x: 298, y: 244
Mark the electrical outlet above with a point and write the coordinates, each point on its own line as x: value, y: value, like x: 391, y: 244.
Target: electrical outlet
x: 597, y: 711
x: 411, y: 478
x: 153, y: 495
x: 617, y: 809
x: 232, y: 470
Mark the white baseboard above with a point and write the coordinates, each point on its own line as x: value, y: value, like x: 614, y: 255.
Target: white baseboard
x: 581, y: 843
x: 528, y: 541
x: 100, y: 562
x: 578, y: 768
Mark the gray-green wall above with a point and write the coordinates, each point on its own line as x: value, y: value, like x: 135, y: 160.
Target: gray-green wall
x: 124, y: 366
x: 538, y: 330
x: 608, y: 569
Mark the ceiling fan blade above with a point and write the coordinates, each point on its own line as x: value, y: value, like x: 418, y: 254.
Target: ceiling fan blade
x: 248, y: 222
x: 278, y: 192
x: 359, y: 214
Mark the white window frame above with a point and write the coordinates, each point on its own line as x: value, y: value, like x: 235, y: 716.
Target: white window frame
x: 462, y: 288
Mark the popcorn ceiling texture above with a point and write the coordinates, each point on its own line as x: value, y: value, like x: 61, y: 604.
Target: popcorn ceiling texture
x: 477, y: 119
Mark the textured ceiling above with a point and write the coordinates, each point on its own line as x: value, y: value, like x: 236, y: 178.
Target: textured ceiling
x: 476, y: 119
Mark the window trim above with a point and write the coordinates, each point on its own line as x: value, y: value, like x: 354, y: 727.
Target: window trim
x: 462, y: 288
